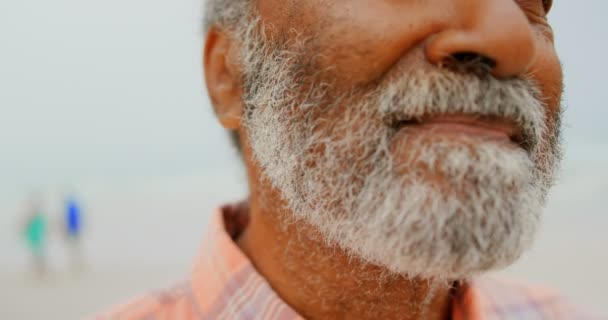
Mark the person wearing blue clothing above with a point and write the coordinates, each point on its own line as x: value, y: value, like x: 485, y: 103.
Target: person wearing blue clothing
x: 73, y: 218
x: 73, y: 225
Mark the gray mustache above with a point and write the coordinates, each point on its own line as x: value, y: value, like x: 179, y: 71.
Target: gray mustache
x: 430, y: 92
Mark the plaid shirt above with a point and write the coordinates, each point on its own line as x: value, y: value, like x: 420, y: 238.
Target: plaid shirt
x: 225, y: 285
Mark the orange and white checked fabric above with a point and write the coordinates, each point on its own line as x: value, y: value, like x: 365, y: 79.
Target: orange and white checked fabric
x: 225, y: 285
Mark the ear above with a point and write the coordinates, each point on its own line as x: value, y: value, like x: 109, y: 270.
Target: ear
x: 223, y: 78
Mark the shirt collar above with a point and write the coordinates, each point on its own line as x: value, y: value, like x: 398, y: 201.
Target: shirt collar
x: 226, y: 285
x: 224, y: 282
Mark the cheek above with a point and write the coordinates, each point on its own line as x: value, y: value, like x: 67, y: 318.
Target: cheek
x: 353, y: 42
x: 547, y: 73
x: 359, y: 48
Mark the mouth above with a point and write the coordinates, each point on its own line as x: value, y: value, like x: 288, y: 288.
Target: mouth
x: 485, y: 127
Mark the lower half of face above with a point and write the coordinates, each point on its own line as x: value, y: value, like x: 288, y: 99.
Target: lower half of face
x: 430, y: 173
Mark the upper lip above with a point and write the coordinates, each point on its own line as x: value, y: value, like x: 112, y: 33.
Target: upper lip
x: 508, y: 126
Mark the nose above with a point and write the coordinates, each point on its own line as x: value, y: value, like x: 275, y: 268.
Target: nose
x: 493, y: 35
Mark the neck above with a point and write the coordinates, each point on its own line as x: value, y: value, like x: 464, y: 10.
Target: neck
x: 322, y: 282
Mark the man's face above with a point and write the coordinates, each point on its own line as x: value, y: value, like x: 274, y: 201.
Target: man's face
x: 417, y: 135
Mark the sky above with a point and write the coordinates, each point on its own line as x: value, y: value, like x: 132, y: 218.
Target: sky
x: 113, y: 89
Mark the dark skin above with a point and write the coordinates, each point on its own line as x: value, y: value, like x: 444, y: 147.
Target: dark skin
x: 373, y: 35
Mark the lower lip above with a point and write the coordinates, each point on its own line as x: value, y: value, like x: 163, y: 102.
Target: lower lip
x: 460, y: 129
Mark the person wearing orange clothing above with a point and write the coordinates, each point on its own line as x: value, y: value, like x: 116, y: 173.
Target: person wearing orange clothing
x: 396, y: 151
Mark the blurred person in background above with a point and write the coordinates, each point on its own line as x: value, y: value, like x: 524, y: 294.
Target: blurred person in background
x: 396, y: 151
x: 72, y: 227
x: 35, y: 235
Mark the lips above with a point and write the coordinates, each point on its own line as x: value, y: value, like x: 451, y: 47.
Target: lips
x: 488, y: 127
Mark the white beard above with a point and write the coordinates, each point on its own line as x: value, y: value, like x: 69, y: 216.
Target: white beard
x: 346, y: 181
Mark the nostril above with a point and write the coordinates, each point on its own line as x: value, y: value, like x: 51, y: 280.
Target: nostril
x: 470, y: 62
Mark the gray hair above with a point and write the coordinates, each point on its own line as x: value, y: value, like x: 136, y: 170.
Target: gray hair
x: 226, y: 14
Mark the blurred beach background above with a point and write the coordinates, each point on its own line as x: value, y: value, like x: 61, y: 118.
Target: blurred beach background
x: 105, y: 101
